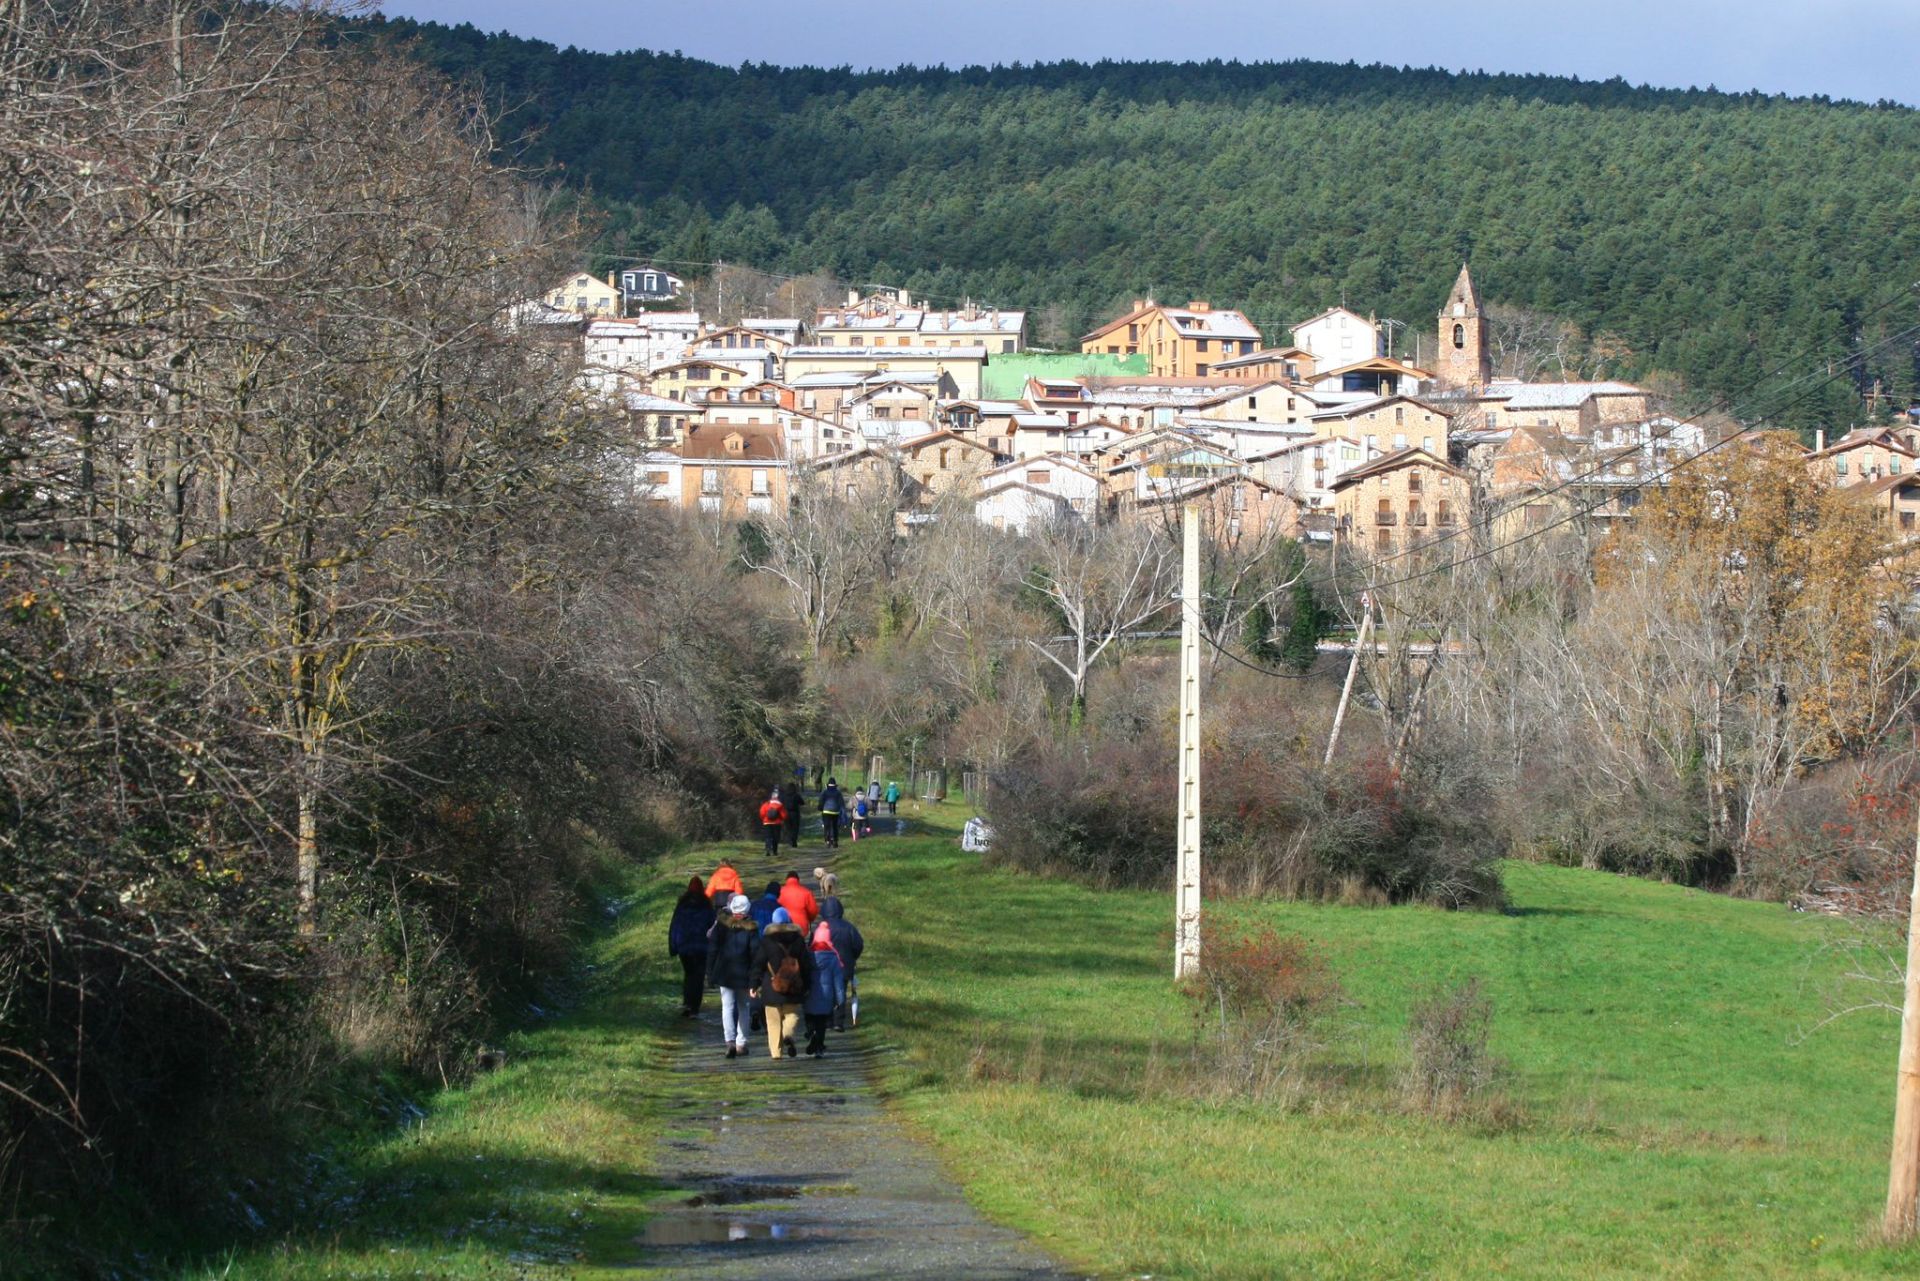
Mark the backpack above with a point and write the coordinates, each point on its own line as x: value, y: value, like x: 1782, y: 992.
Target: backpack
x: 786, y: 977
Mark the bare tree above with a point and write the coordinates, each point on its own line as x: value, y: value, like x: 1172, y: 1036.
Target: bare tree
x: 834, y: 540
x: 1099, y: 582
x: 1529, y: 345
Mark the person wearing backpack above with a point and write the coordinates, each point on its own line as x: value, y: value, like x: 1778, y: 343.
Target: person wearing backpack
x: 893, y: 799
x: 773, y: 817
x: 860, y: 816
x: 687, y: 939
x: 847, y: 945
x: 828, y: 989
x: 792, y: 802
x: 730, y: 968
x: 782, y: 970
x: 832, y: 805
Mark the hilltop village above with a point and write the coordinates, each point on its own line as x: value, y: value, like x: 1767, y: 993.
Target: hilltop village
x: 1328, y: 438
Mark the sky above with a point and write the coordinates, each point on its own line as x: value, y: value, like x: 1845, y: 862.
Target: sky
x: 1860, y: 49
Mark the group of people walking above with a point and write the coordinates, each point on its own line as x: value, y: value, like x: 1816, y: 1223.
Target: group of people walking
x: 775, y: 959
x: 858, y: 813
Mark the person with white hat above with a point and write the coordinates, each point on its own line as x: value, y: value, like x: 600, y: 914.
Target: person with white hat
x: 736, y: 937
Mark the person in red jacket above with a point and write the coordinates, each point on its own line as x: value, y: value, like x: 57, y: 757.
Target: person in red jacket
x: 799, y: 902
x: 724, y: 884
x: 773, y: 817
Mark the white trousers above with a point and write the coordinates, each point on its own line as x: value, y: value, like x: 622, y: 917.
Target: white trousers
x: 736, y: 1016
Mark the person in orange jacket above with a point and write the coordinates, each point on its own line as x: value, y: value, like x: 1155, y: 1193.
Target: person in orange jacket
x: 773, y: 817
x: 724, y: 884
x: 799, y: 902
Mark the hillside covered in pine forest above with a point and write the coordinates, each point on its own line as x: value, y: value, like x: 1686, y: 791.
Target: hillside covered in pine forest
x: 1714, y: 236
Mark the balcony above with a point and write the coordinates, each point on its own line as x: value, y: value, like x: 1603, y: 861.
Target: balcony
x: 1417, y: 519
x: 1386, y: 518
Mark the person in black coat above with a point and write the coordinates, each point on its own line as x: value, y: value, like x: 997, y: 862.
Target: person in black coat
x: 832, y: 806
x: 791, y: 798
x: 848, y: 943
x: 687, y: 939
x: 736, y: 938
x: 781, y: 941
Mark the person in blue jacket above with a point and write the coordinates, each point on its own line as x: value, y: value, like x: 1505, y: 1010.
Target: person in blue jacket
x: 827, y: 990
x: 766, y: 905
x: 847, y: 944
x: 687, y: 939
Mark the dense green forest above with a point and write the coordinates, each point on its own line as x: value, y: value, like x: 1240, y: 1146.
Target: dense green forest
x: 1716, y: 236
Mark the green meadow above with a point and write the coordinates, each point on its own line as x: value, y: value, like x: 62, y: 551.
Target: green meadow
x: 1670, y: 1103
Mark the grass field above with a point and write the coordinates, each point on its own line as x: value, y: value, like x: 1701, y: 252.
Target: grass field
x: 542, y: 1169
x: 1679, y: 1114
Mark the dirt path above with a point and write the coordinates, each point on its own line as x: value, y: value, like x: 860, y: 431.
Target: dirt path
x: 815, y: 1181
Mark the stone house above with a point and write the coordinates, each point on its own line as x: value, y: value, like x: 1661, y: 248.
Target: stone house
x: 941, y: 462
x: 1396, y: 502
x: 1865, y: 455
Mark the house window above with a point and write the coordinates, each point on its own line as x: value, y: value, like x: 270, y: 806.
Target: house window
x: 1133, y: 336
x: 1839, y: 466
x: 1426, y: 443
x: 709, y: 480
x: 1253, y: 402
x: 1200, y: 370
x: 1444, y: 516
x: 709, y: 503
x: 1399, y: 413
x: 1006, y: 344
x: 1399, y: 440
x: 759, y: 480
x: 1413, y: 482
x: 657, y: 479
x: 1200, y: 344
x: 1893, y: 464
x: 944, y: 451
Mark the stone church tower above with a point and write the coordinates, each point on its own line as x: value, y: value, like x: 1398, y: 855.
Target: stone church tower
x: 1464, y: 360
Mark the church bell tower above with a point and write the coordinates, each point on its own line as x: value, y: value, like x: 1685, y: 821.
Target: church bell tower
x: 1464, y: 362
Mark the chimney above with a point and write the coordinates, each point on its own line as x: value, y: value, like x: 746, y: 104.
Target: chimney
x: 1138, y: 303
x: 1199, y: 306
x: 611, y: 282
x: 1819, y: 439
x: 853, y: 297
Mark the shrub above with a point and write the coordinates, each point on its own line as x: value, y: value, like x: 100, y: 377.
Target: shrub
x: 1260, y: 998
x: 1449, y: 1071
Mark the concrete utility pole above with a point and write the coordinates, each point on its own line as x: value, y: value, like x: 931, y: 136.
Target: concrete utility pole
x: 1903, y: 1183
x: 1186, y: 944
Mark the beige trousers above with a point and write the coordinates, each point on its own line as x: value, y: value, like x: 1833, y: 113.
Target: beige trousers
x: 782, y: 1022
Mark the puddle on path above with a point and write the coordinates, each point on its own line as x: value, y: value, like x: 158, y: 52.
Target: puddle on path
x: 722, y: 1229
x: 740, y: 1191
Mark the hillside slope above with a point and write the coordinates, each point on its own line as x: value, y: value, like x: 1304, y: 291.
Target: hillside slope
x: 1708, y: 234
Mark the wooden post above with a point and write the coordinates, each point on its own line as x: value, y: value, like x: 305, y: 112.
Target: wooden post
x: 1903, y: 1182
x: 1186, y: 946
x: 1353, y: 666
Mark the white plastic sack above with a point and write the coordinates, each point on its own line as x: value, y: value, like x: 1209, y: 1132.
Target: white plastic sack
x: 976, y: 836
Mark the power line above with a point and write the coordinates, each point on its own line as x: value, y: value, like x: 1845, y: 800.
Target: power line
x: 1723, y: 405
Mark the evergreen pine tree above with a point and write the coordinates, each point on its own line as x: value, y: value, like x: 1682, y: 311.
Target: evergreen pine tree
x: 1303, y: 633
